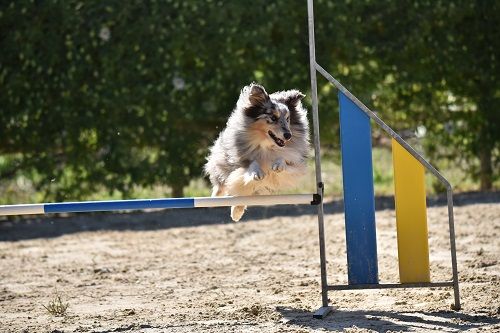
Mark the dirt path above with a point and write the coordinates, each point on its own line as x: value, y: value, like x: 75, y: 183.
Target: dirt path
x: 193, y: 270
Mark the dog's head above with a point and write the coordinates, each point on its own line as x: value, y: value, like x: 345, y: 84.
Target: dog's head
x: 272, y: 115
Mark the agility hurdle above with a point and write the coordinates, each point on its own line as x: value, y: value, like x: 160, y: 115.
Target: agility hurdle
x: 161, y: 203
x: 355, y: 124
x: 359, y: 201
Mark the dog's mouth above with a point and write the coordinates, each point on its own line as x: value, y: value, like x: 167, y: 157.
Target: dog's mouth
x: 277, y: 140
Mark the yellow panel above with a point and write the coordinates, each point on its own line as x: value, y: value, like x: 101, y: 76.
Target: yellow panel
x: 411, y: 216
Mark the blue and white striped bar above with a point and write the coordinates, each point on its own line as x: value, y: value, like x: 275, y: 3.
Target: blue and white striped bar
x: 116, y: 205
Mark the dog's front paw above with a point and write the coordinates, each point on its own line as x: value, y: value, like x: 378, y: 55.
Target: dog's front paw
x: 279, y: 165
x: 258, y: 174
x: 254, y: 172
x: 254, y: 175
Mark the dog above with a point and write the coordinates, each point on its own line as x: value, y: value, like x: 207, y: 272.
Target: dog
x: 263, y: 148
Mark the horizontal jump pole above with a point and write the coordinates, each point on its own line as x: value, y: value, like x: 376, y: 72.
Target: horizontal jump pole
x: 137, y: 204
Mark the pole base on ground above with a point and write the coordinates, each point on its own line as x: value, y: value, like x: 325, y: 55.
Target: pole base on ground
x: 322, y: 312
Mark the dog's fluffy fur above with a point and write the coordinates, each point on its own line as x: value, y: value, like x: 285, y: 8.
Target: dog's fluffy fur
x: 264, y: 147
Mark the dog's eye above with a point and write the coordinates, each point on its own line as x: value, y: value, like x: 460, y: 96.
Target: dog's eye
x: 287, y: 118
x: 274, y: 118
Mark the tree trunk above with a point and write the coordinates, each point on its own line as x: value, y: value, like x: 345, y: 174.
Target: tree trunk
x: 486, y: 168
x: 488, y: 134
x: 177, y: 191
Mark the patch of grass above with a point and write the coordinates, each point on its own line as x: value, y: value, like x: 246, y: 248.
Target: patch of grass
x: 56, y: 306
x: 383, y: 172
x: 22, y: 189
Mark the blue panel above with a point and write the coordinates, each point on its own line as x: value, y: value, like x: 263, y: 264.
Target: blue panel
x: 94, y: 206
x: 359, y: 202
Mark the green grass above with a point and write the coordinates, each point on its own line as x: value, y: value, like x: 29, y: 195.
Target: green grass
x: 22, y: 190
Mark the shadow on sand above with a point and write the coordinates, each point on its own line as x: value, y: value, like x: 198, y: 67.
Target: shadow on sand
x: 383, y: 321
x: 30, y: 227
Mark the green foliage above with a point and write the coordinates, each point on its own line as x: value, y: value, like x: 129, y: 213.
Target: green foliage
x: 118, y: 94
x: 441, y: 60
x: 121, y: 94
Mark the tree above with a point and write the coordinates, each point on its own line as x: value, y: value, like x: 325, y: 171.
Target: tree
x: 442, y: 57
x: 116, y: 94
x: 120, y: 94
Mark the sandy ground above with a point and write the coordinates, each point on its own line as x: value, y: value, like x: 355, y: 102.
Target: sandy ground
x: 194, y: 270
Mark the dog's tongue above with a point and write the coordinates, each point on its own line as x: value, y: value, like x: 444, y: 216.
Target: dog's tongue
x: 278, y: 141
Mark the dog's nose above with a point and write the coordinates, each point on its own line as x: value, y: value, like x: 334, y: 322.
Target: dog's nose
x: 287, y: 135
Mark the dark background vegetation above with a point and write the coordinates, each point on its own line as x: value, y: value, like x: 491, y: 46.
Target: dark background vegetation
x: 114, y: 94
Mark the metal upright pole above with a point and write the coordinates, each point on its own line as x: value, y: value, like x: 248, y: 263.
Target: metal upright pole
x: 323, y: 311
x: 451, y: 220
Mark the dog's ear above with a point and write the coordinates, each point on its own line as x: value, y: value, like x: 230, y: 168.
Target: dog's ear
x: 292, y: 98
x: 257, y: 95
x: 253, y: 100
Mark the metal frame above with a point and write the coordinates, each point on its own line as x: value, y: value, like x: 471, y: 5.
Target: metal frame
x: 317, y: 156
x: 315, y: 67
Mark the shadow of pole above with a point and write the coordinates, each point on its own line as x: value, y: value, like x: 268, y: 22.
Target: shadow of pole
x: 382, y: 321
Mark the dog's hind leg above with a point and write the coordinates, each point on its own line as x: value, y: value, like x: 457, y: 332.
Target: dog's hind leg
x: 237, y: 212
x: 218, y: 190
x: 236, y: 185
